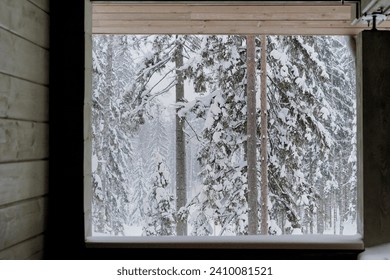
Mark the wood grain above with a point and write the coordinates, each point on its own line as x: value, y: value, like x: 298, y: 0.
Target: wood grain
x: 43, y: 4
x: 29, y: 249
x: 23, y: 59
x: 25, y: 19
x: 23, y: 100
x: 211, y: 18
x: 22, y: 221
x: 22, y: 140
x: 23, y: 180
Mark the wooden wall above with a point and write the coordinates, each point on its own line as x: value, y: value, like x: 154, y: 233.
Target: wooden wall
x: 24, y: 79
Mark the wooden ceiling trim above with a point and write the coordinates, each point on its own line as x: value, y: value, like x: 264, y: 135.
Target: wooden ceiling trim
x: 190, y: 12
x: 229, y: 19
x: 218, y: 27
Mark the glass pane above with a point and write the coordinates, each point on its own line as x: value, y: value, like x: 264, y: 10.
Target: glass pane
x: 170, y: 135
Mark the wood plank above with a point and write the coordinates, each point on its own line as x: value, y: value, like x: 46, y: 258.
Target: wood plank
x: 229, y: 12
x: 36, y: 256
x: 385, y: 24
x: 21, y: 140
x: 23, y: 59
x: 23, y: 100
x: 259, y: 31
x: 219, y: 16
x: 22, y: 221
x: 25, y: 19
x: 226, y: 27
x: 284, y: 13
x: 275, y: 12
x: 174, y: 23
x: 246, y: 18
x: 23, y: 180
x: 28, y: 249
x: 142, y: 16
x: 43, y: 4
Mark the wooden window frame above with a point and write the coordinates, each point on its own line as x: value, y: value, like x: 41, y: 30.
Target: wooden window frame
x: 304, y: 242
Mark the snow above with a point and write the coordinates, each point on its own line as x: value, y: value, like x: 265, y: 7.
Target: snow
x: 283, y: 114
x: 216, y: 118
x: 352, y: 158
x: 299, y: 174
x: 297, y: 231
x: 308, y: 136
x: 284, y: 71
x: 160, y: 194
x: 282, y: 57
x: 215, y: 109
x: 303, y: 200
x: 283, y: 171
x: 301, y: 82
x: 272, y: 224
x: 298, y: 241
x: 325, y: 113
x: 379, y: 252
x: 314, y: 56
x: 295, y: 71
x: 94, y: 163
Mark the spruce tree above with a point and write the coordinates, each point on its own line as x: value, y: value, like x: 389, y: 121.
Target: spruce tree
x: 160, y: 213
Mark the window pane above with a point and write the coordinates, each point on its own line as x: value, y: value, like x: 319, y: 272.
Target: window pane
x: 170, y: 135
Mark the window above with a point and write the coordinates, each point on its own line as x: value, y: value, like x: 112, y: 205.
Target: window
x: 311, y: 145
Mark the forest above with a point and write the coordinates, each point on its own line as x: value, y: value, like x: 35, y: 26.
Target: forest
x: 215, y: 135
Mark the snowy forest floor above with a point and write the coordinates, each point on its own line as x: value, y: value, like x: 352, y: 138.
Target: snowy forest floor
x: 349, y: 229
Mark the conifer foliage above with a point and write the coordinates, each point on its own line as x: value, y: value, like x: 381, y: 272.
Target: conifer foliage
x: 170, y: 135
x: 160, y: 211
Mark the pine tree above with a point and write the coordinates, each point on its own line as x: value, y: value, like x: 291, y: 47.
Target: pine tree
x: 304, y: 123
x: 117, y: 114
x: 311, y: 128
x: 111, y: 148
x: 160, y: 218
x: 222, y: 202
x: 165, y: 58
x: 138, y: 191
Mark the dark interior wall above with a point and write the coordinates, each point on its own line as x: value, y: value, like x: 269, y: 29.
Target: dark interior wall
x: 374, y: 84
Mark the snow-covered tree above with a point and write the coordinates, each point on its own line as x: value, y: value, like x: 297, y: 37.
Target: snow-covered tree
x: 138, y: 191
x: 311, y: 134
x: 160, y: 213
x: 110, y: 131
x: 222, y: 201
x: 303, y: 123
x: 163, y: 59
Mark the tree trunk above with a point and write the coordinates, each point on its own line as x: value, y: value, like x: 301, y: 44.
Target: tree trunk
x: 321, y: 211
x: 253, y: 221
x: 334, y: 192
x: 334, y: 212
x: 264, y: 137
x: 341, y: 194
x: 181, y: 191
x: 103, y: 152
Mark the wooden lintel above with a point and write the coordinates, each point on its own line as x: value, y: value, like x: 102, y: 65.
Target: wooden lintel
x: 271, y: 19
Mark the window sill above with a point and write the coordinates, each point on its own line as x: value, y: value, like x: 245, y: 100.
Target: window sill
x: 294, y: 242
